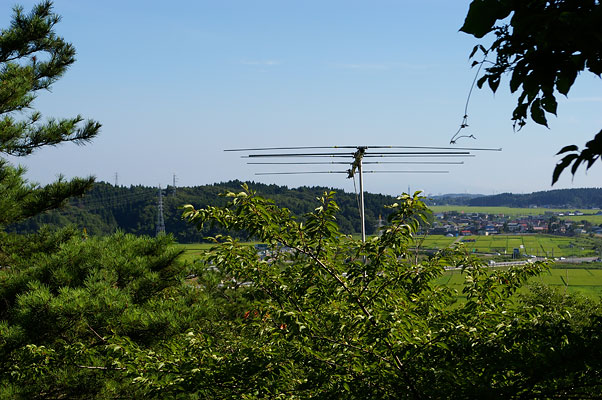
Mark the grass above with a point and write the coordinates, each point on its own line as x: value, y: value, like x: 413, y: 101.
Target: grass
x: 192, y: 251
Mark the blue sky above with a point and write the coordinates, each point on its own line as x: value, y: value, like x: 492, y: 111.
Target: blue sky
x: 176, y: 83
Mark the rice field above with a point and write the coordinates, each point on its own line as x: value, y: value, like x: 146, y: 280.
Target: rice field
x: 538, y: 245
x: 589, y: 215
x: 585, y: 281
x: 193, y: 251
x: 510, y: 211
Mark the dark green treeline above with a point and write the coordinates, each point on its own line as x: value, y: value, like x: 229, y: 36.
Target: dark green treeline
x: 108, y: 208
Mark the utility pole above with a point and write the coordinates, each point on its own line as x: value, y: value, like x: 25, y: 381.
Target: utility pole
x: 357, y: 165
x: 116, y: 179
x: 174, y: 185
x: 160, y: 226
x: 363, y: 211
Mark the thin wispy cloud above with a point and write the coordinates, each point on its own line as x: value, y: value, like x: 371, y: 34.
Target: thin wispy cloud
x: 363, y: 66
x: 261, y: 63
x: 379, y: 66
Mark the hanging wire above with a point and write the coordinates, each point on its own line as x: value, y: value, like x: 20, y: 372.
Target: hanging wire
x: 464, y: 123
x: 101, y: 203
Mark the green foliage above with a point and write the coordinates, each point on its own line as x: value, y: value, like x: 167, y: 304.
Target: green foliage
x: 21, y: 200
x: 589, y: 155
x: 544, y: 45
x: 320, y: 315
x: 65, y: 296
x: 32, y: 58
x: 330, y: 316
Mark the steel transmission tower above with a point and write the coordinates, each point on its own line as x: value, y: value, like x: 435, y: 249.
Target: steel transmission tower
x: 160, y: 221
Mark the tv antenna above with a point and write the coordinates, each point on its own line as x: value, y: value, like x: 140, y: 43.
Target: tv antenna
x: 357, y: 157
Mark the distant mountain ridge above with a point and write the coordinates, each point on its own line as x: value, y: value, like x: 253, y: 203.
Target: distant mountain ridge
x: 558, y: 198
x: 460, y: 199
x: 458, y: 195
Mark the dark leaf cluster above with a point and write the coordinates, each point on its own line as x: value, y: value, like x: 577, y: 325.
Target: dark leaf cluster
x: 543, y: 45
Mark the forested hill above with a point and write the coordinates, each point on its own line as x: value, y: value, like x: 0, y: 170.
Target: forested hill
x: 108, y: 208
x: 561, y: 198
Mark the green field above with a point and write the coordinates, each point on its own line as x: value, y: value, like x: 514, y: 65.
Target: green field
x: 516, y: 212
x: 506, y: 210
x: 538, y: 245
x: 192, y: 251
x: 592, y: 219
x: 576, y: 280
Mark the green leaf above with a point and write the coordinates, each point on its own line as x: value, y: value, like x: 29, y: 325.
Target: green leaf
x: 576, y: 164
x: 565, y: 80
x: 481, y: 81
x: 565, y: 162
x: 549, y: 104
x: 520, y: 111
x: 571, y: 147
x: 494, y: 82
x: 591, y: 161
x: 482, y: 16
x: 537, y: 113
x: 473, y: 52
x: 516, y: 80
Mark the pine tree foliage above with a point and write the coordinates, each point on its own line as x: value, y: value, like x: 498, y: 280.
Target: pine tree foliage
x: 63, y: 296
x: 32, y: 58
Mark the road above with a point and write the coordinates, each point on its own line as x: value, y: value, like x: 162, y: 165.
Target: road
x: 571, y: 260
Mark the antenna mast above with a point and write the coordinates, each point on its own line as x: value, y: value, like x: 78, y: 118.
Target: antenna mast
x: 160, y: 226
x: 357, y: 161
x: 357, y: 164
